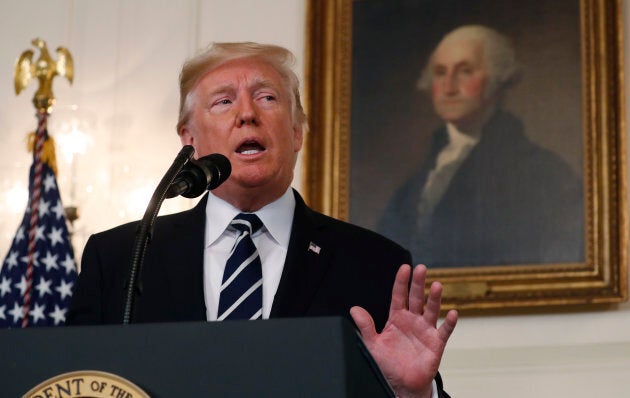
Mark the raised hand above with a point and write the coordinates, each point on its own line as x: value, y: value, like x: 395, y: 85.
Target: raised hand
x: 409, y: 349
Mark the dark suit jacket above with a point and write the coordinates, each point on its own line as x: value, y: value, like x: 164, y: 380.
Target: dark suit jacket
x: 354, y: 267
x: 511, y: 201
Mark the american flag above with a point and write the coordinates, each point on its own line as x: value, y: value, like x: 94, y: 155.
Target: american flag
x: 39, y: 272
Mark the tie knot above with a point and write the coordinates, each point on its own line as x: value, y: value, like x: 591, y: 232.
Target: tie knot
x: 247, y: 222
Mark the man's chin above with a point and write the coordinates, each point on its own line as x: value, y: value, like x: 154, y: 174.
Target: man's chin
x: 455, y: 117
x: 251, y: 183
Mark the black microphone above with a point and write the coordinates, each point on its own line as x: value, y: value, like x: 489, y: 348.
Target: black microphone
x: 200, y: 175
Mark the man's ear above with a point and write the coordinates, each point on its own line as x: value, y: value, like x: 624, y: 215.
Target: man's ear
x: 298, y: 137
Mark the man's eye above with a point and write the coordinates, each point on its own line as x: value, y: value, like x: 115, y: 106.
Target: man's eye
x: 224, y: 101
x: 439, y: 72
x: 268, y: 97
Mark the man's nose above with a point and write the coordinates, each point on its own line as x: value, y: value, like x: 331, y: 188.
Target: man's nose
x: 450, y: 83
x: 246, y: 113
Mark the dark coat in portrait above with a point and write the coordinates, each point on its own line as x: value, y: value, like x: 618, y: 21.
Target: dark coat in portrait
x: 510, y: 202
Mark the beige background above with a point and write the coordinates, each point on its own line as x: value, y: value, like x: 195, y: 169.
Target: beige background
x: 128, y: 54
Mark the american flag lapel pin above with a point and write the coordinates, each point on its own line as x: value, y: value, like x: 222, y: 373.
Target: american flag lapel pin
x: 314, y: 248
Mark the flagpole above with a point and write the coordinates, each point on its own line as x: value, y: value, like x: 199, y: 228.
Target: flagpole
x: 40, y: 138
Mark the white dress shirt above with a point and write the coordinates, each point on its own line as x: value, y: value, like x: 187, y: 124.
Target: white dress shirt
x: 272, y: 242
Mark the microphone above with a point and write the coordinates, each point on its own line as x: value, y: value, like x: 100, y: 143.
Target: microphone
x: 200, y: 175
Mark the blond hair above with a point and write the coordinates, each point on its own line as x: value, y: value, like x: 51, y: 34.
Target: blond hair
x: 281, y: 59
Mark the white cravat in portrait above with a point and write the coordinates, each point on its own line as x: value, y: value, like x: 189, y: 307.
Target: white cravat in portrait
x: 447, y: 163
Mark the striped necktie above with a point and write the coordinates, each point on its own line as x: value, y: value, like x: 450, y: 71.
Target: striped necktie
x: 241, y: 288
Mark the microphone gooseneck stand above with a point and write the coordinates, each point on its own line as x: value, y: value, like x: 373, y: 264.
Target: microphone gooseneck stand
x: 145, y: 230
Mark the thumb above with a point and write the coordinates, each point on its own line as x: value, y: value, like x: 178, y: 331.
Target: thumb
x: 364, y: 322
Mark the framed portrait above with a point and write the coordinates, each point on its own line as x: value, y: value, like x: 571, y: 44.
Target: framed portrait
x: 487, y: 137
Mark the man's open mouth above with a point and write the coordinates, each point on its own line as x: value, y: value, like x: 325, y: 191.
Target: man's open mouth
x: 250, y: 147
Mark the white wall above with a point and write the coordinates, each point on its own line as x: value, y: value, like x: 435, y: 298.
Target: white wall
x: 127, y: 56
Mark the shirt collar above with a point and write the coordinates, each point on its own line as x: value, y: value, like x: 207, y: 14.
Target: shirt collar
x: 459, y: 139
x: 277, y: 218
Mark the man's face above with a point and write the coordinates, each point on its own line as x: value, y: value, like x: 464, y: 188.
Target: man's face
x: 242, y: 110
x: 459, y: 82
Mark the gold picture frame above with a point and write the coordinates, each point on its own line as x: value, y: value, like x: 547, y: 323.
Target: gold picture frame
x: 602, y: 276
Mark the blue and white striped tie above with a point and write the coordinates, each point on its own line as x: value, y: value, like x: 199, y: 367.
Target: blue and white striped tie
x: 241, y: 288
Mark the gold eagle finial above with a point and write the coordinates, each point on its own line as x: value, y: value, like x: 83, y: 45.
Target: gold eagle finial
x: 44, y: 70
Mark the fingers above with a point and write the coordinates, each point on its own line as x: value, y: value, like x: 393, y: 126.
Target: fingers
x: 412, y: 298
x: 400, y: 291
x: 364, y: 322
x: 416, y: 293
x: 450, y: 321
x: 434, y: 302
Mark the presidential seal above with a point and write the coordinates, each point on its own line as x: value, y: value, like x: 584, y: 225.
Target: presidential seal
x: 86, y: 384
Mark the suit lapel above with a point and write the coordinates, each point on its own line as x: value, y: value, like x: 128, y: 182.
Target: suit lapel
x: 305, y: 265
x: 185, y: 264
